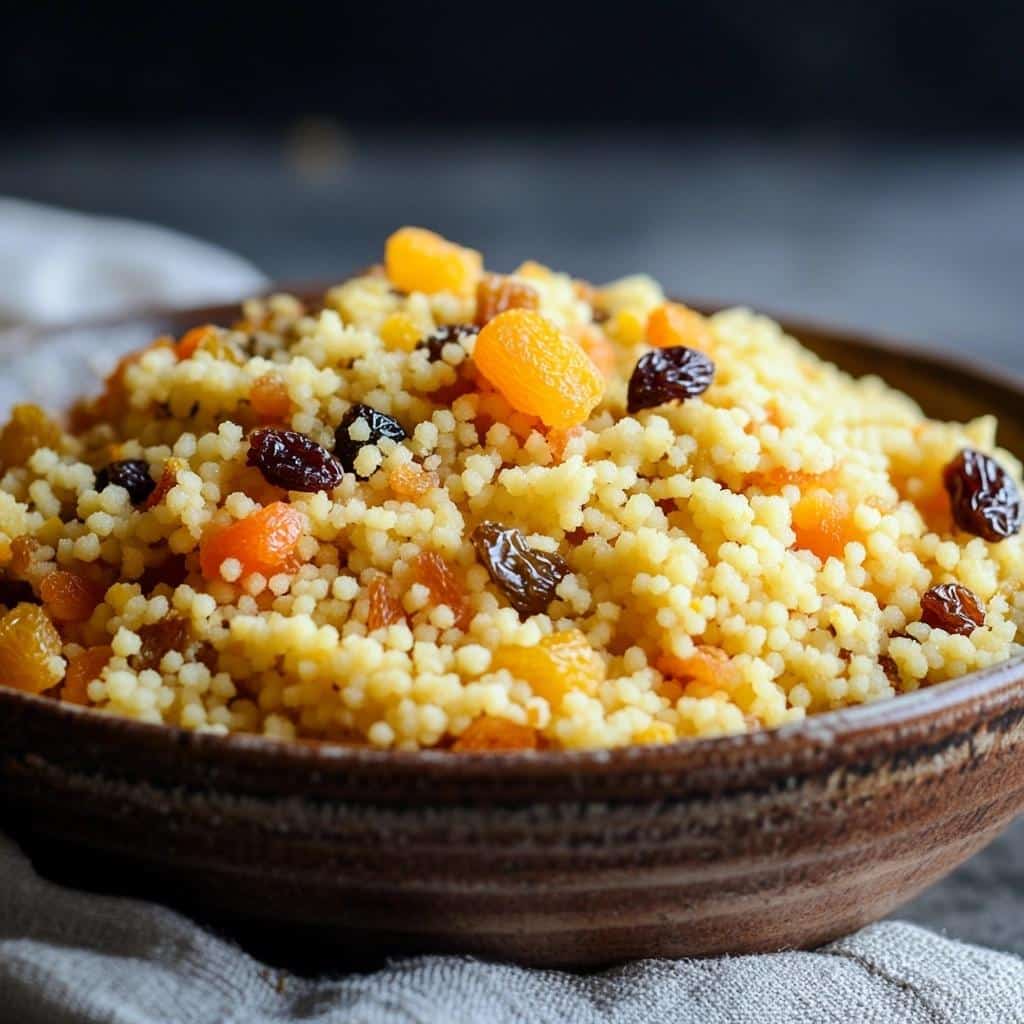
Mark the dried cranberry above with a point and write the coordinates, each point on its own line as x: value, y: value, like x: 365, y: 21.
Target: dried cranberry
x: 132, y: 475
x: 293, y: 461
x: 984, y: 499
x: 666, y: 374
x: 953, y: 608
x: 381, y: 426
x: 527, y: 577
x: 435, y: 343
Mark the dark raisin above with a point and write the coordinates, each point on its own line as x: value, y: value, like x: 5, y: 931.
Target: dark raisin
x: 15, y: 592
x: 435, y: 343
x: 158, y: 639
x: 527, y: 577
x: 984, y: 499
x: 171, y: 572
x: 890, y: 668
x: 953, y: 608
x: 293, y: 461
x: 381, y: 426
x: 665, y: 374
x: 132, y: 475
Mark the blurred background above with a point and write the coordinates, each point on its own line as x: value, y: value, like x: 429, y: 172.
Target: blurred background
x: 852, y: 161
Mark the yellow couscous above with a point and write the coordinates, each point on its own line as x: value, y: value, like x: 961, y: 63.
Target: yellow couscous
x: 448, y: 508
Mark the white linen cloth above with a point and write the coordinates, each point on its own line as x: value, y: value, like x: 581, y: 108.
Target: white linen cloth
x: 69, y: 957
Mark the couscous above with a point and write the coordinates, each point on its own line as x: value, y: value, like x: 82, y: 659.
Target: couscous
x: 456, y: 509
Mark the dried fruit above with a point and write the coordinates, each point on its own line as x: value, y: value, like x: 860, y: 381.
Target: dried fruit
x: 559, y: 664
x: 709, y: 667
x: 411, y: 482
x: 673, y: 324
x: 28, y: 429
x: 496, y: 293
x: 158, y: 638
x: 399, y: 332
x: 23, y: 552
x: 378, y: 427
x: 191, y: 340
x: 453, y: 333
x: 526, y: 576
x: 984, y: 499
x: 538, y: 369
x: 823, y: 523
x: 558, y: 440
x: 384, y: 607
x: 264, y: 542
x: 82, y: 670
x: 29, y: 650
x: 293, y: 461
x: 132, y: 475
x: 418, y: 260
x: 600, y: 350
x: 952, y: 607
x: 434, y: 573
x: 14, y: 592
x: 70, y: 597
x: 495, y: 734
x: 168, y: 478
x: 668, y: 374
x: 269, y: 398
x: 171, y: 572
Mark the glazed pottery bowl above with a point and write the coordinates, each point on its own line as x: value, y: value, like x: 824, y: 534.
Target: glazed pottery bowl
x: 777, y: 839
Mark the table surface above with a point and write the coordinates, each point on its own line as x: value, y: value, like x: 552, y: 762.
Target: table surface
x: 921, y: 241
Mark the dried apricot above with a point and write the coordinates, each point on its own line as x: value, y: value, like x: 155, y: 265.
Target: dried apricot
x: 672, y: 324
x: 709, y: 666
x: 269, y: 398
x: 264, y: 542
x: 191, y: 340
x: 823, y: 523
x: 29, y: 650
x: 495, y: 734
x: 82, y: 670
x: 559, y: 438
x: 418, y: 260
x: 384, y: 607
x: 70, y: 597
x: 496, y: 293
x: 600, y: 349
x: 436, y: 575
x: 559, y: 664
x: 410, y: 481
x: 538, y: 369
x: 28, y: 429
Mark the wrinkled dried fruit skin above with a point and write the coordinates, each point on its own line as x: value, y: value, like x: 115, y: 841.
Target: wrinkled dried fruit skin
x: 269, y: 398
x: 434, y: 573
x: 28, y: 642
x: 823, y: 523
x: 410, y: 482
x: 953, y: 608
x: 708, y: 665
x: 418, y: 260
x: 28, y: 429
x: 132, y: 475
x: 82, y: 670
x: 527, y: 577
x: 559, y: 664
x: 496, y: 293
x: 669, y: 374
x: 384, y: 608
x: 264, y: 542
x: 69, y: 597
x: 381, y: 426
x: 453, y: 333
x: 293, y: 461
x: 158, y: 638
x: 983, y: 497
x: 495, y: 734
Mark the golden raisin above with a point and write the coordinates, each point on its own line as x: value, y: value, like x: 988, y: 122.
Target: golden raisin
x: 559, y: 664
x: 22, y: 551
x: 264, y: 542
x: 399, y: 332
x: 537, y: 368
x: 710, y: 668
x: 495, y: 734
x: 158, y: 638
x: 496, y: 293
x: 410, y: 481
x: 823, y: 523
x: 28, y: 429
x: 434, y: 573
x: 29, y: 647
x: 269, y: 398
x: 418, y: 260
x: 70, y: 597
x: 82, y: 670
x: 384, y: 607
x: 672, y: 324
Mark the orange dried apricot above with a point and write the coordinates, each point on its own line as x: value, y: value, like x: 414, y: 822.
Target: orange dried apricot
x: 559, y: 438
x: 264, y: 542
x: 537, y: 368
x: 23, y: 550
x: 82, y: 670
x: 29, y: 643
x: 435, y: 574
x: 823, y: 523
x: 673, y: 324
x: 384, y: 607
x: 411, y: 482
x: 495, y: 734
x: 418, y: 260
x: 559, y: 664
x: 600, y: 349
x: 708, y: 665
x: 69, y: 596
x: 496, y: 293
x: 28, y: 429
x: 269, y: 398
x: 191, y: 340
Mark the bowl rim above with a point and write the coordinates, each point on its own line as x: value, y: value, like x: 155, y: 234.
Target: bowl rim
x: 848, y: 726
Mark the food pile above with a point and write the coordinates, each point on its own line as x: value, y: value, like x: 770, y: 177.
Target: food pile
x: 452, y: 508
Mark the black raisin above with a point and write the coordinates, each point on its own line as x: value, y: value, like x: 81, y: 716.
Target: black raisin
x: 435, y: 343
x: 527, y: 577
x: 953, y: 608
x: 983, y: 497
x: 293, y: 461
x: 132, y: 475
x: 159, y: 638
x: 666, y: 374
x: 381, y: 426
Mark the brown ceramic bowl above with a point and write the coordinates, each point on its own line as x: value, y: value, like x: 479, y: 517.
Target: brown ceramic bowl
x: 778, y: 839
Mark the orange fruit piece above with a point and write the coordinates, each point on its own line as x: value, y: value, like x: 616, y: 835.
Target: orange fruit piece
x: 28, y: 643
x: 384, y: 607
x: 269, y: 398
x: 418, y: 260
x: 191, y: 340
x: 411, y: 482
x: 560, y: 663
x: 22, y: 551
x: 823, y: 523
x: 599, y: 347
x: 707, y: 665
x: 775, y: 479
x: 264, y: 542
x: 28, y: 428
x: 82, y: 670
x: 537, y: 368
x: 495, y: 734
x: 399, y: 332
x: 436, y: 575
x: 168, y: 478
x: 69, y: 597
x: 496, y: 293
x: 672, y: 323
x: 559, y: 438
